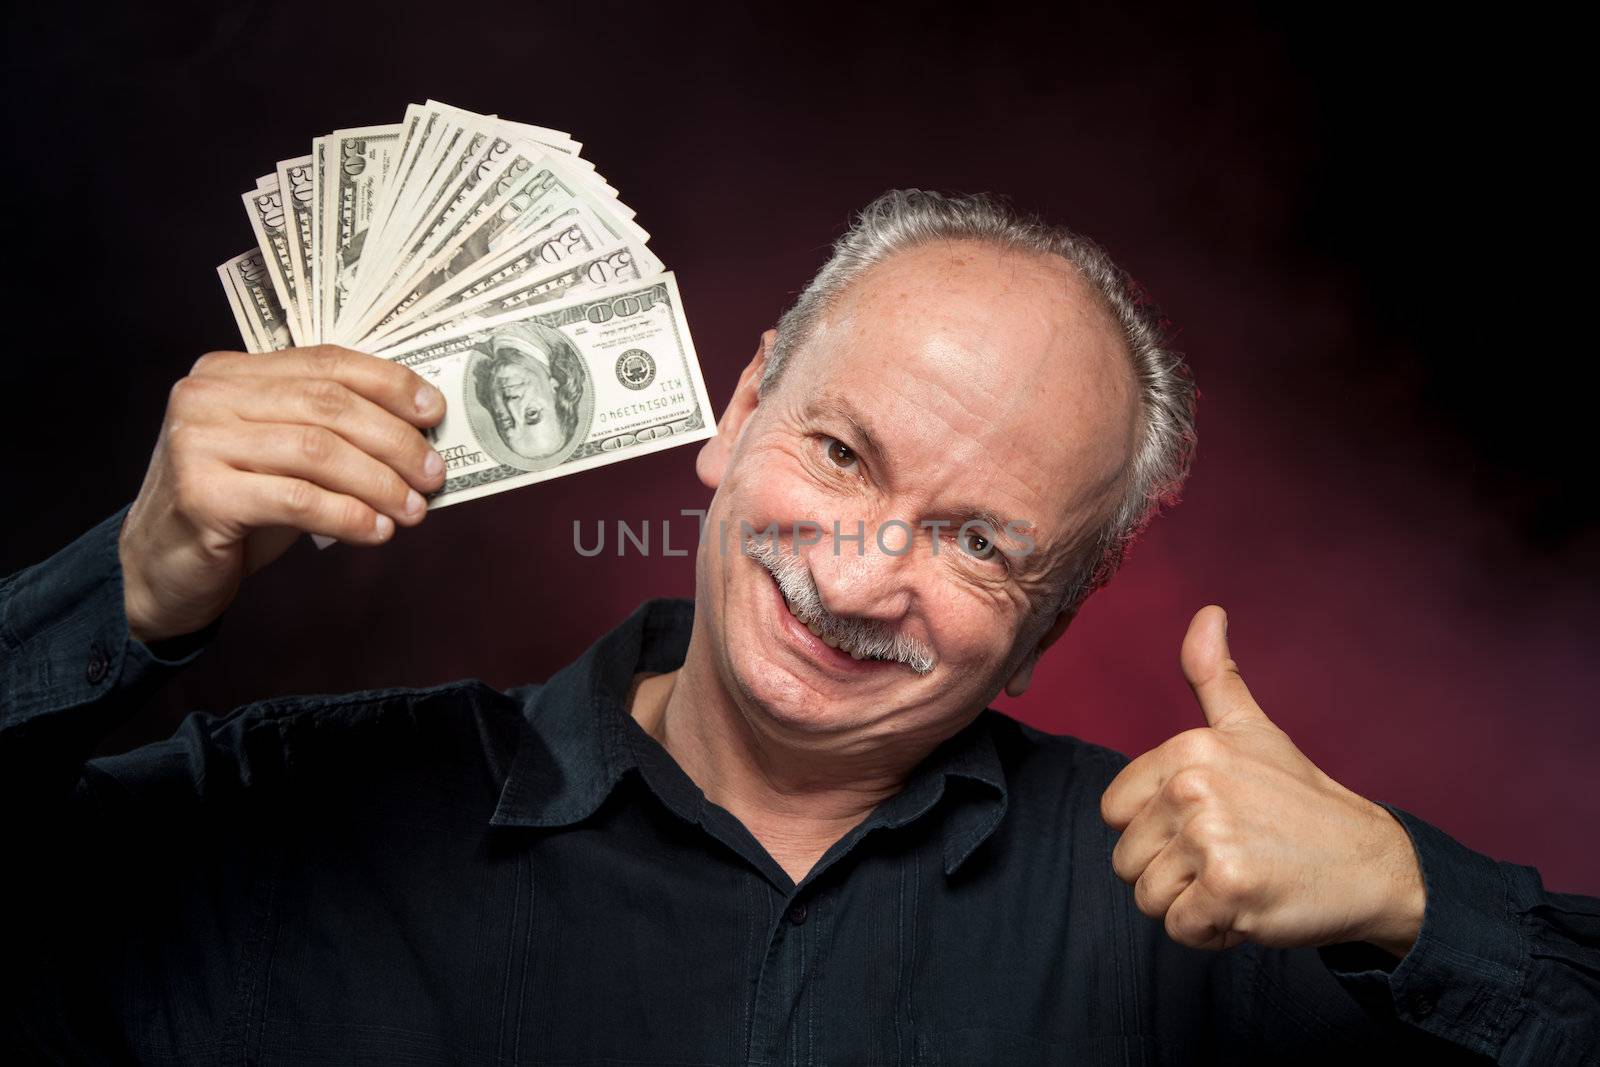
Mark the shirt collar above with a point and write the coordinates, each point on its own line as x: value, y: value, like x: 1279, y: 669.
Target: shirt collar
x: 578, y: 740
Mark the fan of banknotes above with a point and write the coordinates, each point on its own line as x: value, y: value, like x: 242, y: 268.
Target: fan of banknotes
x: 493, y: 260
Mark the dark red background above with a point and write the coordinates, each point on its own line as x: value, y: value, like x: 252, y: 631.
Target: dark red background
x: 1360, y: 226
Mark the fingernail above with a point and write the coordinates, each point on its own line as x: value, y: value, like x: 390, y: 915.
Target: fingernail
x: 414, y: 502
x: 428, y: 398
x: 384, y: 526
x: 433, y: 466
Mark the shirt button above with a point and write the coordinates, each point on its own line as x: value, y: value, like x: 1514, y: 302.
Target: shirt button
x: 1421, y: 1004
x: 98, y: 664
x: 797, y: 913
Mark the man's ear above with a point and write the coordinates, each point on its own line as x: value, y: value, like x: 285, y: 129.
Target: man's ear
x: 716, y: 453
x: 1018, y: 683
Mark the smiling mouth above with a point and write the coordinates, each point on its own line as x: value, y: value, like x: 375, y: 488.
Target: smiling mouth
x: 842, y: 648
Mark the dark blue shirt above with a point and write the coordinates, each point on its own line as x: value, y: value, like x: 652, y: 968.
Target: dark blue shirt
x: 464, y: 875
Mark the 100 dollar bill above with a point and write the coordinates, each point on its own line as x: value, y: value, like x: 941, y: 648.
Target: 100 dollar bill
x: 563, y: 387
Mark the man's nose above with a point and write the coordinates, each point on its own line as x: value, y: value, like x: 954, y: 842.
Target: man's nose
x: 865, y: 571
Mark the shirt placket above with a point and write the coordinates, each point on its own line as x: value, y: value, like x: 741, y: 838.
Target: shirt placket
x: 783, y: 1022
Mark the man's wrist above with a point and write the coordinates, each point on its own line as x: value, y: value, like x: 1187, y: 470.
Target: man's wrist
x: 135, y: 596
x: 1399, y: 920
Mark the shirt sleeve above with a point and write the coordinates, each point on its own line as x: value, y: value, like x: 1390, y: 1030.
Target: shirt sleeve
x: 70, y: 670
x: 139, y: 891
x: 1501, y: 967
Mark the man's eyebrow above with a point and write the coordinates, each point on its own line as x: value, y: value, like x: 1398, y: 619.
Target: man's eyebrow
x: 960, y: 516
x: 832, y: 404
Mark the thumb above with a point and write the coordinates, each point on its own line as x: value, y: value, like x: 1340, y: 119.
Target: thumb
x: 1211, y: 672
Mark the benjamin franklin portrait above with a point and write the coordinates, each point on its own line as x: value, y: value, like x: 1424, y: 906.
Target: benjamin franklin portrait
x: 528, y: 395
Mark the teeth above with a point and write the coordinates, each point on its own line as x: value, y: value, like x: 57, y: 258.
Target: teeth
x: 816, y: 631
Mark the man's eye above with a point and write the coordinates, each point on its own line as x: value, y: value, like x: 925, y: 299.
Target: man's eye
x: 840, y: 454
x: 975, y: 544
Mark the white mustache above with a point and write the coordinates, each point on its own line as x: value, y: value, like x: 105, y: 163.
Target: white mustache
x: 869, y: 638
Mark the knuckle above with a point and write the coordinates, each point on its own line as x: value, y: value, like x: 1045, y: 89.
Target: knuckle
x: 315, y: 444
x: 1144, y: 899
x: 1182, y: 928
x: 325, y: 399
x: 401, y: 442
x: 1226, y: 875
x: 299, y: 498
x: 354, y: 516
x: 378, y: 485
x: 210, y: 361
x: 322, y: 359
x: 1208, y: 830
x: 1190, y: 785
x: 183, y: 394
x: 183, y: 437
x: 1114, y: 799
x: 1199, y: 745
x: 1119, y: 862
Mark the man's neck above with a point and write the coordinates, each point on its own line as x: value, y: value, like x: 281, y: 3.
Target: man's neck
x: 796, y: 800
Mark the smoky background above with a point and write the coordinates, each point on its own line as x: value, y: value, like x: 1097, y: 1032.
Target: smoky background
x: 1359, y: 221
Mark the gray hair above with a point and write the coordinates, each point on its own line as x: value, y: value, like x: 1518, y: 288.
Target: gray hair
x: 901, y: 219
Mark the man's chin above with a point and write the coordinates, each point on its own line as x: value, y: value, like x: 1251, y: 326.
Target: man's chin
x: 778, y: 684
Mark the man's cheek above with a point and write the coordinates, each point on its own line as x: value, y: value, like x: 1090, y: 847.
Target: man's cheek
x: 967, y: 630
x: 772, y: 491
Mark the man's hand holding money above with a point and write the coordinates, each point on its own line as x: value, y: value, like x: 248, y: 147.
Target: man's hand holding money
x: 256, y: 448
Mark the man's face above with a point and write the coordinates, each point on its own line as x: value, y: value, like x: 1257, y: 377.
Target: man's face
x: 525, y: 400
x: 950, y: 382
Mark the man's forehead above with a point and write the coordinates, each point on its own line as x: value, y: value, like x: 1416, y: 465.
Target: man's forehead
x: 1005, y: 346
x: 998, y: 319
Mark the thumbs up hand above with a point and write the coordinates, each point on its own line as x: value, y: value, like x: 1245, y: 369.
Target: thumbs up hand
x: 1231, y: 834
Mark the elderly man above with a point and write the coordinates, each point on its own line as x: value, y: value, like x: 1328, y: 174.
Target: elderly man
x: 774, y: 825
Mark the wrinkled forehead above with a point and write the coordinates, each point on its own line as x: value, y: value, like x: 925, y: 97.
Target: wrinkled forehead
x: 985, y: 371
